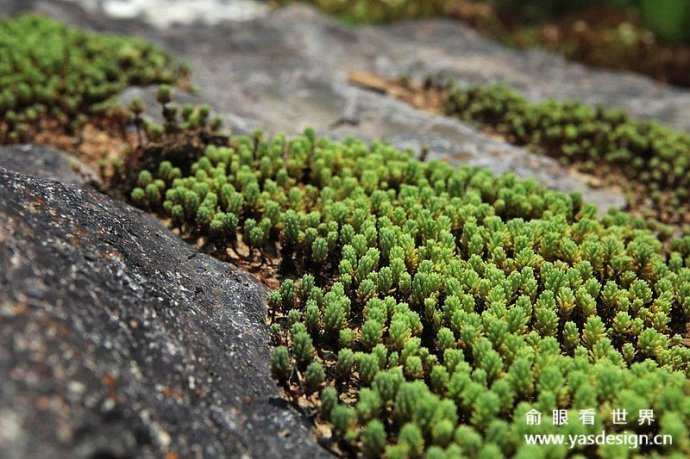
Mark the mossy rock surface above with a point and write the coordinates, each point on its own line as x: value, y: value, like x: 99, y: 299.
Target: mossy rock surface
x: 422, y: 303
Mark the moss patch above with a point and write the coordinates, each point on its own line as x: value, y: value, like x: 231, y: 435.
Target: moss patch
x: 426, y: 309
x: 651, y: 160
x: 55, y: 77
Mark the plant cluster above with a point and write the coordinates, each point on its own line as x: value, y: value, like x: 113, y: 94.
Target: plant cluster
x: 429, y: 307
x: 180, y: 138
x: 185, y: 120
x: 56, y: 74
x: 652, y: 160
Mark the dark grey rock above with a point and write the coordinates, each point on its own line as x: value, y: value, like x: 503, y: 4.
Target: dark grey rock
x: 45, y: 162
x: 119, y: 340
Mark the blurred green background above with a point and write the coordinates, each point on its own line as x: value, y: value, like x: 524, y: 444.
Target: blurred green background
x: 669, y: 19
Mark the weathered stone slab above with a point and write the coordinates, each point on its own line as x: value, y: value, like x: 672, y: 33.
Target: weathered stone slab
x: 119, y: 340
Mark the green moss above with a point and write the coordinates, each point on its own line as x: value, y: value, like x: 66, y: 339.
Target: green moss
x: 449, y: 302
x: 651, y: 160
x: 52, y: 75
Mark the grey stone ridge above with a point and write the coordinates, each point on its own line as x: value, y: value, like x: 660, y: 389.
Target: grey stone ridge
x: 119, y: 340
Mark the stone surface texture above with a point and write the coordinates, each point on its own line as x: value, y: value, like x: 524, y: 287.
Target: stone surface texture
x: 45, y: 162
x: 119, y: 340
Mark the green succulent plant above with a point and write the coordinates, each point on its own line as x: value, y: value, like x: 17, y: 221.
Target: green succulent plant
x: 445, y: 303
x: 651, y: 160
x: 56, y: 76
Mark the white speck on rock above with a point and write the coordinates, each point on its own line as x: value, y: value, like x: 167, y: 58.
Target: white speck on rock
x: 76, y: 387
x: 123, y: 9
x: 162, y: 437
x: 10, y: 426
